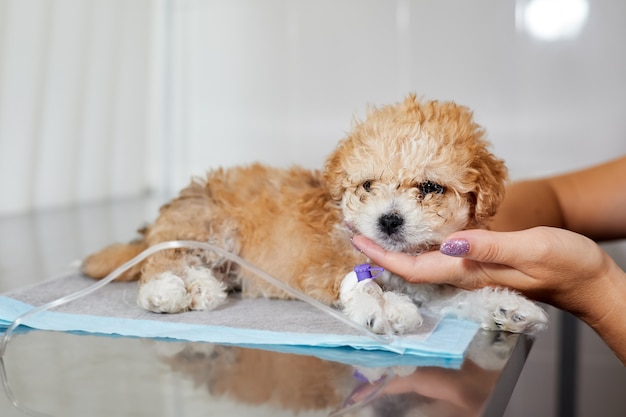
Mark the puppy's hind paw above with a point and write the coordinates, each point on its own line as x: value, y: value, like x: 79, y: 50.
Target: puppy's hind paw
x: 169, y: 293
x: 205, y: 290
x: 165, y: 293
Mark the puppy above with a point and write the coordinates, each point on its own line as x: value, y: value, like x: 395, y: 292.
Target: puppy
x: 289, y: 384
x: 406, y: 177
x: 275, y: 381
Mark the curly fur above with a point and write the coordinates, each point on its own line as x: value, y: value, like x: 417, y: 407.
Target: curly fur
x: 407, y: 176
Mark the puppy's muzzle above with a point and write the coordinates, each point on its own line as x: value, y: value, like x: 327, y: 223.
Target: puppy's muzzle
x: 390, y: 223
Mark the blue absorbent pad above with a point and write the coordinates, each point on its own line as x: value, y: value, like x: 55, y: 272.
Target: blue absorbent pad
x: 281, y: 325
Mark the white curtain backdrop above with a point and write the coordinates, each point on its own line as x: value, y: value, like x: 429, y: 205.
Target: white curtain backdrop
x: 279, y: 80
x: 75, y: 94
x: 103, y: 99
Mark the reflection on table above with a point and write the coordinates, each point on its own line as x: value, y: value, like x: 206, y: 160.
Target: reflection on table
x: 61, y: 374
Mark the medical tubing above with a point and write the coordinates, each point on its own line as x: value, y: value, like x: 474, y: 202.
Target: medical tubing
x: 12, y: 398
x: 187, y: 244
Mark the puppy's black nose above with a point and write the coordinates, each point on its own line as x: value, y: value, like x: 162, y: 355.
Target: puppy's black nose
x: 390, y: 223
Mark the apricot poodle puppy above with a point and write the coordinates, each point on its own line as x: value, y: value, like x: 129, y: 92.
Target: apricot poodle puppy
x: 406, y: 177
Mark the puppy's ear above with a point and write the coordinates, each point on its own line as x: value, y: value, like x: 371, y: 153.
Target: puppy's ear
x: 490, y: 181
x: 334, y: 174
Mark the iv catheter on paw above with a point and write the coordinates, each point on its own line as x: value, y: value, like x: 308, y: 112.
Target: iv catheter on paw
x: 386, y: 339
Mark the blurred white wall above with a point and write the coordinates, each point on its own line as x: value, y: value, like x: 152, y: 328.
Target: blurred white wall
x: 74, y: 101
x: 279, y: 80
x: 109, y: 98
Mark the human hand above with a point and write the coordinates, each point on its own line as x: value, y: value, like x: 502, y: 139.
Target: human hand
x: 553, y: 265
x: 450, y: 391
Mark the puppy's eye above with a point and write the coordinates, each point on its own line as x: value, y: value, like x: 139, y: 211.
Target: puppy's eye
x: 430, y: 187
x: 367, y: 186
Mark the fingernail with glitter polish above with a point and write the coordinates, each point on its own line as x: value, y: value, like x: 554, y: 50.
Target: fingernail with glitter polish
x: 455, y: 247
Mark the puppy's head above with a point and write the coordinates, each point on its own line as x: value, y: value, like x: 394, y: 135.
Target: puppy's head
x: 414, y: 172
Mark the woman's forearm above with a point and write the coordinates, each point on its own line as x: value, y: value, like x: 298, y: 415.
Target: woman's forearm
x: 528, y: 204
x: 591, y: 202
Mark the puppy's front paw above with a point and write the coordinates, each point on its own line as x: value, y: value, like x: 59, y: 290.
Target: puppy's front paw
x: 367, y: 304
x: 401, y: 313
x: 523, y: 316
x: 366, y: 309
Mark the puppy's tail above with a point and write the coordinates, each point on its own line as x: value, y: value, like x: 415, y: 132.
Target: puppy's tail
x: 102, y: 263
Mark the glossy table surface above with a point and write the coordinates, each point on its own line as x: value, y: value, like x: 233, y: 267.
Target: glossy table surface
x: 64, y: 374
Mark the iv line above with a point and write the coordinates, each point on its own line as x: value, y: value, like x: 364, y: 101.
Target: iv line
x: 387, y: 339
